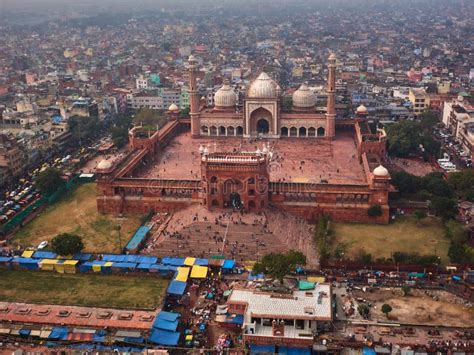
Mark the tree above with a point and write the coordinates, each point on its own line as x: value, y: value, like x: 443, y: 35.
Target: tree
x: 67, y: 244
x: 374, y: 211
x: 386, y: 309
x: 84, y: 129
x: 278, y: 265
x: 405, y: 183
x: 463, y: 183
x: 364, y: 257
x: 459, y: 253
x: 49, y: 180
x: 428, y: 120
x: 363, y: 310
x: 444, y: 207
x: 184, y: 112
x: 419, y: 215
x: 456, y: 232
x: 148, y: 117
x: 405, y: 138
x: 406, y: 290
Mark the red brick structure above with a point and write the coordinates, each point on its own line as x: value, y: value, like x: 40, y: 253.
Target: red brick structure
x: 303, y: 162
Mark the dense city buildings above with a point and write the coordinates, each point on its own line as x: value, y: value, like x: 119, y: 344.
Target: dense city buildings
x: 237, y: 177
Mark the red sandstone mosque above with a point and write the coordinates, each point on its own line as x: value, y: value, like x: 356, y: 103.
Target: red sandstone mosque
x: 253, y: 157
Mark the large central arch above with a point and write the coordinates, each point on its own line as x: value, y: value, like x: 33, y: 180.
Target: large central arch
x: 261, y: 121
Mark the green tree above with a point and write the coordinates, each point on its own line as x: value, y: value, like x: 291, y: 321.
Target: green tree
x: 428, y: 120
x: 459, y: 253
x: 84, y: 129
x: 406, y: 290
x: 184, y: 112
x: 363, y: 310
x: 386, y: 309
x: 456, y: 232
x: 405, y: 183
x: 67, y: 244
x: 405, y: 138
x: 463, y: 183
x: 148, y: 117
x: 419, y: 215
x: 444, y: 207
x: 278, y: 265
x: 364, y: 257
x: 374, y: 211
x: 49, y: 180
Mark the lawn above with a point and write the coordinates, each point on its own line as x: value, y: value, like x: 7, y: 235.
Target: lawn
x: 95, y: 290
x: 77, y: 213
x: 402, y: 235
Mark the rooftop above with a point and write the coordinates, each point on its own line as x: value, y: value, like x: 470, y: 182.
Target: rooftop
x: 314, y: 304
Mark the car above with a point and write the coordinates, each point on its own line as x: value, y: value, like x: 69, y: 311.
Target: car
x: 43, y: 244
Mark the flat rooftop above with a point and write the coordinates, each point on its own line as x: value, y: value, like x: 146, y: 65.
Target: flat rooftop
x: 294, y: 159
x: 313, y: 304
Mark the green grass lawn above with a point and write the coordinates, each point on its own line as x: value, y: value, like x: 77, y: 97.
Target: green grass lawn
x: 77, y: 213
x: 402, y: 235
x: 95, y: 290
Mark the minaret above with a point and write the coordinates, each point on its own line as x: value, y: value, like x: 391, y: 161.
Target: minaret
x: 193, y: 97
x: 331, y: 103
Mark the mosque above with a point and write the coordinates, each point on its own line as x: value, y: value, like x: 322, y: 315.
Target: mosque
x: 252, y: 157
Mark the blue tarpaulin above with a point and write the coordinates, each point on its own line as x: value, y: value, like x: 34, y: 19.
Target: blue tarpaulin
x: 27, y: 263
x: 59, y: 333
x: 235, y: 319
x: 164, y: 337
x: 124, y: 265
x: 201, y: 262
x: 44, y: 254
x: 255, y: 277
x: 5, y: 259
x: 165, y: 325
x: 147, y: 259
x: 176, y: 287
x: 368, y: 351
x: 262, y: 349
x: 228, y: 264
x: 168, y: 316
x: 24, y: 332
x: 294, y: 351
x: 173, y: 261
x: 138, y: 238
x: 138, y: 340
x: 82, y: 256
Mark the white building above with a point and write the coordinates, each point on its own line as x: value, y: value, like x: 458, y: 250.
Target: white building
x: 290, y: 319
x: 458, y: 117
x: 144, y: 99
x: 142, y: 82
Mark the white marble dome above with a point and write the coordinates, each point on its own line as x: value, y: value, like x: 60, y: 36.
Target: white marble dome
x: 361, y: 109
x: 173, y: 107
x: 104, y: 165
x: 225, y: 96
x: 263, y: 87
x: 304, y: 97
x: 381, y: 171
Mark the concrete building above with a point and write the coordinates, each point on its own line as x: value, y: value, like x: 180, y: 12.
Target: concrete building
x: 145, y: 99
x: 458, y: 117
x: 142, y: 82
x: 11, y: 157
x: 419, y: 99
x: 277, y: 322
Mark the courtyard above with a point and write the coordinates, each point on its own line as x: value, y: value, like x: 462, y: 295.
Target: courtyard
x: 91, y: 290
x: 294, y: 160
x: 405, y: 234
x: 77, y: 213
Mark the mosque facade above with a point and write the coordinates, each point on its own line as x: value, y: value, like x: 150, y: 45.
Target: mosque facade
x: 231, y: 177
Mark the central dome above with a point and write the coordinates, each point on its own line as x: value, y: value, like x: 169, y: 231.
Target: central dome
x: 263, y: 87
x: 225, y: 96
x: 303, y: 97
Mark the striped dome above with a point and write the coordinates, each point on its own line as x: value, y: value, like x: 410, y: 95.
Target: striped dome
x: 263, y: 87
x: 303, y: 97
x: 225, y: 96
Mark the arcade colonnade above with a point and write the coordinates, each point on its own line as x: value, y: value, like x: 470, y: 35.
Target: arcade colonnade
x: 237, y: 131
